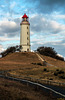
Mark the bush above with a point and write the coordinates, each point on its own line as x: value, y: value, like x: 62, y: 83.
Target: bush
x: 49, y: 51
x: 55, y: 73
x: 62, y: 76
x: 33, y: 63
x: 51, y: 79
x: 61, y: 72
x: 59, y: 58
x: 45, y: 69
x: 39, y: 64
x: 57, y: 69
x: 58, y: 72
x: 10, y: 50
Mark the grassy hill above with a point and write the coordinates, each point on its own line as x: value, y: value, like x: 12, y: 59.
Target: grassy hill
x: 11, y: 90
x: 18, y: 60
x: 26, y: 64
x: 29, y: 65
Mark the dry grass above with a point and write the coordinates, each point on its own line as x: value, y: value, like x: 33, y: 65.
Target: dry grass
x: 58, y: 63
x: 28, y: 61
x: 17, y: 60
x: 11, y: 90
x: 26, y: 64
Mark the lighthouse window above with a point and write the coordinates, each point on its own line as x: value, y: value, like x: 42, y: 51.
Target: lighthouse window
x: 27, y: 27
x: 27, y: 32
x: 27, y: 38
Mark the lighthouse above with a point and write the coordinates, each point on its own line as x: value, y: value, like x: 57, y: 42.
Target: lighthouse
x: 25, y: 34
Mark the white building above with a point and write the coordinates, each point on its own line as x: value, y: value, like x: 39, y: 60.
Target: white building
x: 25, y: 34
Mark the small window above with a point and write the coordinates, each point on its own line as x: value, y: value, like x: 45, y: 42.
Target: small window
x: 27, y: 38
x: 27, y: 27
x: 27, y: 43
x: 27, y: 49
x: 27, y: 32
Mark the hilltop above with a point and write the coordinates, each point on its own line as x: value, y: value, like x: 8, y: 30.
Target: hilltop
x: 28, y: 64
x: 17, y: 60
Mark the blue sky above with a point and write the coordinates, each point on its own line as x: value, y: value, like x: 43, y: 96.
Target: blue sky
x: 47, y: 23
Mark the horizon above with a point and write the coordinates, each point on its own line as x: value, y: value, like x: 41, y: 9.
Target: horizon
x: 47, y: 23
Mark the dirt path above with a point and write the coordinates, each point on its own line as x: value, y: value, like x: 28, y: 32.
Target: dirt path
x: 39, y: 57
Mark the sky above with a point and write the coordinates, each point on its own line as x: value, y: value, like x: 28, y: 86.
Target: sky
x: 47, y: 23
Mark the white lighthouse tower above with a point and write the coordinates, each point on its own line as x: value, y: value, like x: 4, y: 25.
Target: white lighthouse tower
x: 25, y: 34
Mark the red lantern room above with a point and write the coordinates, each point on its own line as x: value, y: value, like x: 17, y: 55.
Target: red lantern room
x: 25, y: 20
x: 25, y: 17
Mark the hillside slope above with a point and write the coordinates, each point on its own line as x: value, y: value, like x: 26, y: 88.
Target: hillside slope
x: 57, y: 63
x: 12, y: 90
x: 17, y: 60
x: 32, y: 66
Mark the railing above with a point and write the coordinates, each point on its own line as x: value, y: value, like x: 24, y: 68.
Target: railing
x: 37, y: 85
x: 50, y: 82
x: 32, y: 79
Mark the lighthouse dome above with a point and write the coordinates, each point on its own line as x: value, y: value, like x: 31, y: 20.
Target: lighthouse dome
x: 25, y: 16
x: 25, y: 20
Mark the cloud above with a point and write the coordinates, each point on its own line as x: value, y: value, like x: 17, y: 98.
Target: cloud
x: 39, y: 24
x: 1, y: 48
x: 5, y: 38
x: 49, y: 6
x: 60, y: 16
x: 59, y: 55
x: 11, y: 28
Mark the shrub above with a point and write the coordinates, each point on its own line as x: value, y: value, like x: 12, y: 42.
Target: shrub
x: 33, y: 63
x: 62, y: 76
x: 45, y: 69
x: 57, y: 69
x: 60, y: 72
x: 55, y: 73
x: 49, y: 51
x: 10, y: 50
x: 59, y: 58
x: 39, y: 64
x: 51, y: 79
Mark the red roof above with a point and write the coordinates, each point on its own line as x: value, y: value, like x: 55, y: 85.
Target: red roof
x: 25, y: 16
